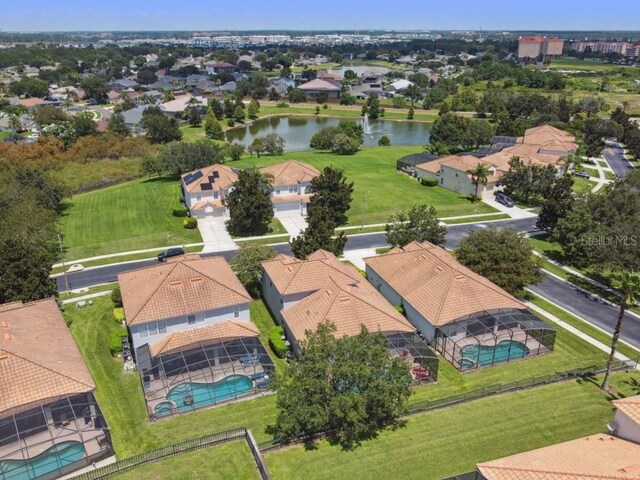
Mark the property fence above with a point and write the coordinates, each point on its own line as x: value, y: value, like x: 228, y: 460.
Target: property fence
x: 488, y: 391
x: 177, y: 449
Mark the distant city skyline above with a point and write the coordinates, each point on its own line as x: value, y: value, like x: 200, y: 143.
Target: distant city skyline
x: 353, y: 15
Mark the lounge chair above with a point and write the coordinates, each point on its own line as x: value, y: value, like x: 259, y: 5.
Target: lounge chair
x: 257, y: 375
x: 249, y: 359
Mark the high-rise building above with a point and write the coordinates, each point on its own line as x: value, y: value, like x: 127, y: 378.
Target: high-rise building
x: 533, y: 46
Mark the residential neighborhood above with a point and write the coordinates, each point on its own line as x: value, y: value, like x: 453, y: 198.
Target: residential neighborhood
x: 293, y: 241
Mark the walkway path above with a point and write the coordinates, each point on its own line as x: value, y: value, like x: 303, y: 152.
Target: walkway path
x: 513, y: 212
x: 215, y: 236
x: 293, y: 222
x: 88, y: 296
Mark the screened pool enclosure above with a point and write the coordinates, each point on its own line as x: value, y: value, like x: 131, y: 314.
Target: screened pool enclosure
x: 422, y: 360
x: 204, y: 374
x: 491, y: 337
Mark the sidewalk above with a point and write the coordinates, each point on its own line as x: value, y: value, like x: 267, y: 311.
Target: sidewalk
x: 514, y: 212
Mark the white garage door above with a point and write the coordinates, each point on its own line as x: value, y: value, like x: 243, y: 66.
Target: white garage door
x: 288, y: 207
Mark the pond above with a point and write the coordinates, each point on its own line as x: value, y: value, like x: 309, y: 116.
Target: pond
x: 297, y: 131
x: 358, y: 69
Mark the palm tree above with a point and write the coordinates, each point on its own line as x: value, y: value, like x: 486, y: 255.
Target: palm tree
x: 479, y: 175
x: 628, y: 283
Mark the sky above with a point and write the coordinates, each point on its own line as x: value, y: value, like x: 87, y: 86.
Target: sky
x: 101, y: 15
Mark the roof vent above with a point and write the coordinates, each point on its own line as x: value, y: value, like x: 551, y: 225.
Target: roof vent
x: 290, y: 268
x: 177, y: 283
x: 459, y: 276
x: 195, y: 279
x: 439, y: 268
x: 4, y: 357
x: 344, y: 299
x: 423, y: 256
x: 329, y: 292
x: 4, y: 324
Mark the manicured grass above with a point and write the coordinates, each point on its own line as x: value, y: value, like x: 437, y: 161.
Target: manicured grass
x: 264, y: 241
x: 582, y: 185
x: 264, y: 321
x: 131, y: 216
x: 453, y: 440
x: 274, y: 228
x: 572, y: 320
x: 96, y: 289
x: 385, y: 191
x: 192, y: 134
x: 354, y: 111
x: 229, y: 461
x: 575, y: 64
x: 83, y: 177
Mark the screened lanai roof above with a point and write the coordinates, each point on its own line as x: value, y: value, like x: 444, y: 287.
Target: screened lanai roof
x: 484, y: 322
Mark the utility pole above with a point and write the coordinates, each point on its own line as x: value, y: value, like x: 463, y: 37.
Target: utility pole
x: 64, y: 269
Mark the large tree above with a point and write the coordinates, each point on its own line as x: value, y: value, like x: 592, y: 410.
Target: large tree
x: 556, y: 204
x: 247, y: 266
x: 160, y: 127
x: 330, y: 190
x: 95, y: 87
x: 479, y: 175
x: 319, y: 234
x: 461, y: 133
x: 250, y: 207
x: 528, y: 181
x: 503, y: 256
x: 212, y: 127
x: 348, y: 388
x: 118, y: 125
x: 420, y: 224
x: 180, y: 157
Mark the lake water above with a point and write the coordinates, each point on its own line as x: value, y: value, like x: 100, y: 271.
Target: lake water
x: 358, y: 69
x: 297, y: 131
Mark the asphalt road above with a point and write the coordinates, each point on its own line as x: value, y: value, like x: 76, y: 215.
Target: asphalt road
x: 582, y: 304
x: 109, y: 273
x: 614, y: 155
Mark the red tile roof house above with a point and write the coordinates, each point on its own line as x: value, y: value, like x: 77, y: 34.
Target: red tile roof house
x: 302, y: 294
x: 471, y: 321
x: 193, y: 339
x: 205, y: 190
x: 48, y: 412
x: 290, y: 181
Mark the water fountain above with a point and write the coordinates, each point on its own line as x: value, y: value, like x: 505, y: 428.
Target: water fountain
x: 365, y: 124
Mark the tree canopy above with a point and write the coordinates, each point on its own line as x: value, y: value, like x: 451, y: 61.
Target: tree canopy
x: 331, y: 190
x: 247, y: 266
x: 461, y: 133
x: 420, y: 224
x: 249, y: 203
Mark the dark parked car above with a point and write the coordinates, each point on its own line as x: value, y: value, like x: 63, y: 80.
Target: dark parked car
x: 504, y: 199
x: 170, y: 252
x: 581, y: 174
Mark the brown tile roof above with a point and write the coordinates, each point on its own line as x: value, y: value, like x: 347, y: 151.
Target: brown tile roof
x: 597, y: 457
x: 436, y: 285
x: 226, y: 177
x: 319, y: 84
x: 207, y: 335
x: 290, y: 172
x: 213, y: 202
x: 38, y: 358
x: 322, y: 269
x: 178, y: 287
x: 348, y: 308
x: 32, y: 102
x: 630, y: 406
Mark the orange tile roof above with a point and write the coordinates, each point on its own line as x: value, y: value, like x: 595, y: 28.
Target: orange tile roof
x: 319, y: 84
x: 439, y: 287
x: 630, y: 406
x: 207, y: 335
x: 32, y: 102
x: 348, y: 308
x: 178, y: 287
x: 290, y: 172
x: 213, y: 202
x: 306, y: 198
x: 226, y: 177
x: 597, y: 457
x: 39, y: 360
x: 322, y: 269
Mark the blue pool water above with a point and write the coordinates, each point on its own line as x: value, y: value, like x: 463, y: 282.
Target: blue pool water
x: 59, y: 456
x: 163, y: 408
x: 483, y: 355
x: 204, y: 394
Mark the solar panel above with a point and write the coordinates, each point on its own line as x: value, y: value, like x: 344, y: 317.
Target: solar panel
x: 206, y: 186
x: 192, y: 177
x: 215, y: 174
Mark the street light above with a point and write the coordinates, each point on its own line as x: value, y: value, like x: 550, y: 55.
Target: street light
x: 64, y: 269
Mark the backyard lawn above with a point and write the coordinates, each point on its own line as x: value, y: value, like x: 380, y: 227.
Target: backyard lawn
x: 130, y: 216
x: 453, y: 440
x: 139, y: 214
x: 575, y: 64
x: 229, y: 461
x: 120, y: 394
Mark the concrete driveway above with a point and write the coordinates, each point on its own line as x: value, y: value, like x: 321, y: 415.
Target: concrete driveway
x: 293, y: 222
x: 513, y: 212
x: 214, y: 235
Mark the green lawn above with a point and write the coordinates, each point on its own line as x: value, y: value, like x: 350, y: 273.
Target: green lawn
x: 582, y: 185
x: 275, y: 228
x: 453, y: 440
x: 385, y: 191
x: 333, y: 110
x: 130, y: 216
x: 575, y: 64
x: 229, y: 461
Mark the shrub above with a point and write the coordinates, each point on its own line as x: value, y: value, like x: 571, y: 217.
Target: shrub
x: 282, y: 105
x: 116, y: 297
x: 115, y: 339
x: 180, y: 212
x: 384, y: 141
x: 276, y: 343
x: 230, y: 122
x: 429, y: 182
x: 325, y: 106
x: 118, y: 314
x: 474, y: 198
x: 190, y: 223
x: 400, y: 308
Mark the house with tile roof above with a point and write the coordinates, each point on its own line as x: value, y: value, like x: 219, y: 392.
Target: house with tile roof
x: 189, y: 322
x: 471, y: 321
x: 290, y: 181
x: 205, y: 190
x: 48, y: 412
x: 302, y: 294
x: 614, y: 456
x: 315, y: 87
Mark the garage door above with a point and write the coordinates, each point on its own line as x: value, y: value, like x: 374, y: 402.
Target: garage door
x: 288, y: 207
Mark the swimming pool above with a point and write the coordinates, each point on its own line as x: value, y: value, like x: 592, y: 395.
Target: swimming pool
x: 188, y: 396
x: 59, y: 456
x: 163, y: 408
x: 483, y: 355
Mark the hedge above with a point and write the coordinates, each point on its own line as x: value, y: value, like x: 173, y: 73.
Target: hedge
x: 115, y: 339
x: 429, y: 182
x: 191, y: 222
x: 118, y: 314
x: 276, y: 343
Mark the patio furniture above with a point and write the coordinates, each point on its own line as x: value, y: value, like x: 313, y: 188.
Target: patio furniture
x: 257, y: 375
x: 263, y: 383
x: 249, y: 359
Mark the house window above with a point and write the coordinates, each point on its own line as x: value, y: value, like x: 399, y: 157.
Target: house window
x: 198, y: 197
x: 162, y: 327
x: 293, y: 189
x: 236, y: 312
x: 142, y: 330
x: 191, y: 319
x: 215, y: 194
x: 200, y: 318
x: 441, y: 180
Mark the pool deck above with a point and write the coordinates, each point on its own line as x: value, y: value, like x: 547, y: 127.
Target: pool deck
x: 488, y: 339
x: 94, y: 441
x: 159, y: 388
